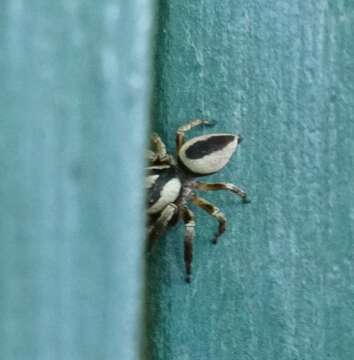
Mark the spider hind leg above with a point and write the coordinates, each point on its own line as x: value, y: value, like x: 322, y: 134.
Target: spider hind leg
x: 182, y: 129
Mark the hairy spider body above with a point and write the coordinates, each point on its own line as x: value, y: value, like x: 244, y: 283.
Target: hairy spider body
x: 171, y: 184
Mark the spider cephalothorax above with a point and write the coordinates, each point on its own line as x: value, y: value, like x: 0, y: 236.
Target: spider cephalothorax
x: 171, y: 184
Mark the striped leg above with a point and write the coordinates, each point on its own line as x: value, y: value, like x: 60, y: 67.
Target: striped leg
x: 189, y: 224
x: 158, y: 228
x: 222, y: 186
x: 159, y: 145
x: 213, y: 211
x: 182, y: 129
x: 150, y: 156
x: 160, y: 153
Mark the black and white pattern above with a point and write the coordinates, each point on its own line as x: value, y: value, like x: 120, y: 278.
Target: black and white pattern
x: 171, y: 185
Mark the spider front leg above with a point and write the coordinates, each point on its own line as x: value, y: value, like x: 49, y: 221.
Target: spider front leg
x: 213, y: 211
x: 158, y: 228
x: 150, y: 156
x: 182, y: 129
x: 222, y: 186
x: 189, y: 224
x: 160, y: 154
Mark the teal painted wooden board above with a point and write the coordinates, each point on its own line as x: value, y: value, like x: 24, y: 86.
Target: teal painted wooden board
x: 74, y: 100
x: 280, y: 283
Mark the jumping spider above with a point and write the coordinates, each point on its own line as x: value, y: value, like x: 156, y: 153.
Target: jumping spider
x: 170, y: 184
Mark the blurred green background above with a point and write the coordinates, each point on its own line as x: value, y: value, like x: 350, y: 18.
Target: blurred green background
x: 75, y: 82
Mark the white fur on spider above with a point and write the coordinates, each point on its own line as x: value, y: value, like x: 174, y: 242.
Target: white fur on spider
x: 168, y: 194
x: 201, y: 156
x: 150, y: 181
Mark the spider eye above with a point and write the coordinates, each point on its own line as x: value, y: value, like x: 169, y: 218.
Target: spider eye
x: 207, y: 154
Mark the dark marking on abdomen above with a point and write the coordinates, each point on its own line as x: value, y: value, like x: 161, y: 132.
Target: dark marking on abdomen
x: 205, y: 147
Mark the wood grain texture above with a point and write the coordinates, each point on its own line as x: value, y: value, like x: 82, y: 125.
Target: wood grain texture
x: 279, y: 285
x: 74, y: 97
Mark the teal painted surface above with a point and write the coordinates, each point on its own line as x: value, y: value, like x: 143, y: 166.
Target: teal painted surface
x: 74, y: 97
x: 280, y: 283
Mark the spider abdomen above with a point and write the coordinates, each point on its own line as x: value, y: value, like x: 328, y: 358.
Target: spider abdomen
x: 207, y: 154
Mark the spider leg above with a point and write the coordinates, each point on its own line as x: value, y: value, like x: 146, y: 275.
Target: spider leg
x: 158, y: 228
x: 159, y: 155
x: 151, y: 156
x: 222, y: 186
x: 213, y: 211
x: 182, y: 129
x: 189, y: 225
x: 157, y: 167
x: 160, y: 147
